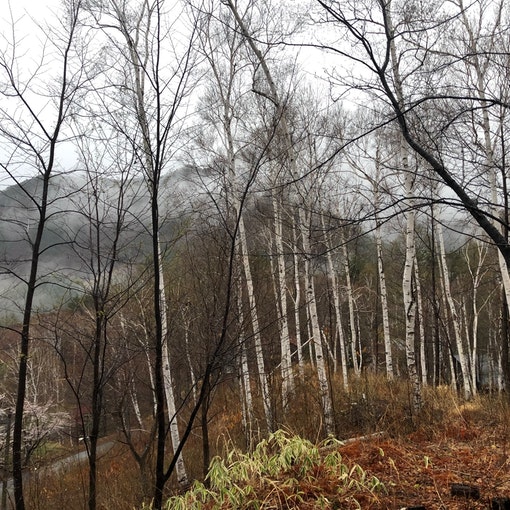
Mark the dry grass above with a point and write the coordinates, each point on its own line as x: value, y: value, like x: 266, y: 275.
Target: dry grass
x: 417, y: 460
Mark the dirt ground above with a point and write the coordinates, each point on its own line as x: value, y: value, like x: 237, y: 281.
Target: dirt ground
x: 419, y: 470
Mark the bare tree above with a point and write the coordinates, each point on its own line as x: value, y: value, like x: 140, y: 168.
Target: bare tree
x: 281, y: 122
x: 153, y: 90
x: 375, y: 57
x: 386, y: 32
x: 104, y: 248
x: 34, y: 113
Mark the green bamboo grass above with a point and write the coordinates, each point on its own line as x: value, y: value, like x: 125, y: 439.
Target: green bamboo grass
x: 279, y: 469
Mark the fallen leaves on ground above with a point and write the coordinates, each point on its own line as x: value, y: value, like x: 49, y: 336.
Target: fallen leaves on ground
x: 418, y: 470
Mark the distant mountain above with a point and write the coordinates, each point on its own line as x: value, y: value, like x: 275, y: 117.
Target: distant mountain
x: 68, y: 241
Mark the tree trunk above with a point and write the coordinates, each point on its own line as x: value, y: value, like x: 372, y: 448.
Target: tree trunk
x: 357, y: 358
x: 244, y: 376
x: 45, y: 162
x: 421, y: 325
x: 173, y: 426
x: 327, y: 404
x: 259, y: 352
x: 384, y: 303
x: 297, y: 301
x: 454, y: 316
x: 408, y: 290
x: 336, y: 302
x: 281, y: 306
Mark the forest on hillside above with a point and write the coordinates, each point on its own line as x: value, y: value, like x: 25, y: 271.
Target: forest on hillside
x: 245, y: 205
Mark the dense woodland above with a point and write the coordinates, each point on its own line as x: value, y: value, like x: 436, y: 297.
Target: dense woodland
x: 237, y: 203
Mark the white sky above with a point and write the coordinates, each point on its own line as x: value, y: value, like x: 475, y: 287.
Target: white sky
x: 27, y: 15
x: 35, y: 8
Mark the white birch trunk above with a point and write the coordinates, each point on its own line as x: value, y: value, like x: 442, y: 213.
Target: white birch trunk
x: 134, y: 402
x: 190, y: 364
x: 384, y: 304
x: 145, y: 343
x: 476, y: 279
x: 407, y: 278
x: 245, y: 260
x: 180, y: 468
x: 444, y: 305
x: 408, y: 291
x: 421, y: 325
x: 259, y: 353
x: 454, y: 316
x: 297, y: 304
x: 338, y: 315
x: 383, y: 294
x: 357, y: 359
x: 245, y: 381
x: 327, y: 404
x: 131, y: 384
x: 281, y: 306
x: 472, y: 344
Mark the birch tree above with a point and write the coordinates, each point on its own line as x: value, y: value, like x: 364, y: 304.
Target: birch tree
x: 480, y: 40
x: 376, y: 181
x: 376, y: 38
x: 223, y: 50
x: 281, y: 124
x: 286, y: 161
x: 354, y: 343
x: 408, y: 291
x: 316, y: 337
x: 476, y: 274
x: 335, y: 290
x: 467, y: 383
x: 153, y: 90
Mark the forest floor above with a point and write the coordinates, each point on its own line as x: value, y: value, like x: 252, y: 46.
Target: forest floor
x: 389, y: 466
x: 418, y: 470
x: 462, y: 462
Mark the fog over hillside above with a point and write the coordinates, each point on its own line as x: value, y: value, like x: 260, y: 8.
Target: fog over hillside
x: 70, y: 238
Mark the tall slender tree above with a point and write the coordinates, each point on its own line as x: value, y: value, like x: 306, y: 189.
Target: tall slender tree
x: 34, y: 113
x: 153, y: 92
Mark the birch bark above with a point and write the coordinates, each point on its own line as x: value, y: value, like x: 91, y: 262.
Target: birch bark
x: 454, y: 317
x: 297, y: 301
x: 380, y: 269
x: 224, y: 82
x: 483, y: 40
x: 421, y: 325
x: 476, y: 279
x: 336, y: 301
x: 180, y: 468
x: 408, y: 290
x: 327, y: 404
x: 407, y: 279
x: 281, y: 122
x: 287, y: 375
x: 245, y: 380
x: 356, y: 356
x: 259, y: 352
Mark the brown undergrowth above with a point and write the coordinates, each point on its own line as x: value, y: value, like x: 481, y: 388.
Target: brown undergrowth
x: 414, y: 463
x: 452, y: 443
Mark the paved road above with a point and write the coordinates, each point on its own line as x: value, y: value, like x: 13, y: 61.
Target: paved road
x: 55, y: 467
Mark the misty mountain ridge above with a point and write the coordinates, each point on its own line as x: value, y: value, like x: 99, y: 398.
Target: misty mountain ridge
x: 81, y: 215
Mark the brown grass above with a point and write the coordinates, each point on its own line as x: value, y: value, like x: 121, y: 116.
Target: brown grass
x: 417, y: 460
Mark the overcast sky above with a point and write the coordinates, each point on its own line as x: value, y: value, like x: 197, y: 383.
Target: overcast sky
x: 35, y: 8
x: 27, y: 14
